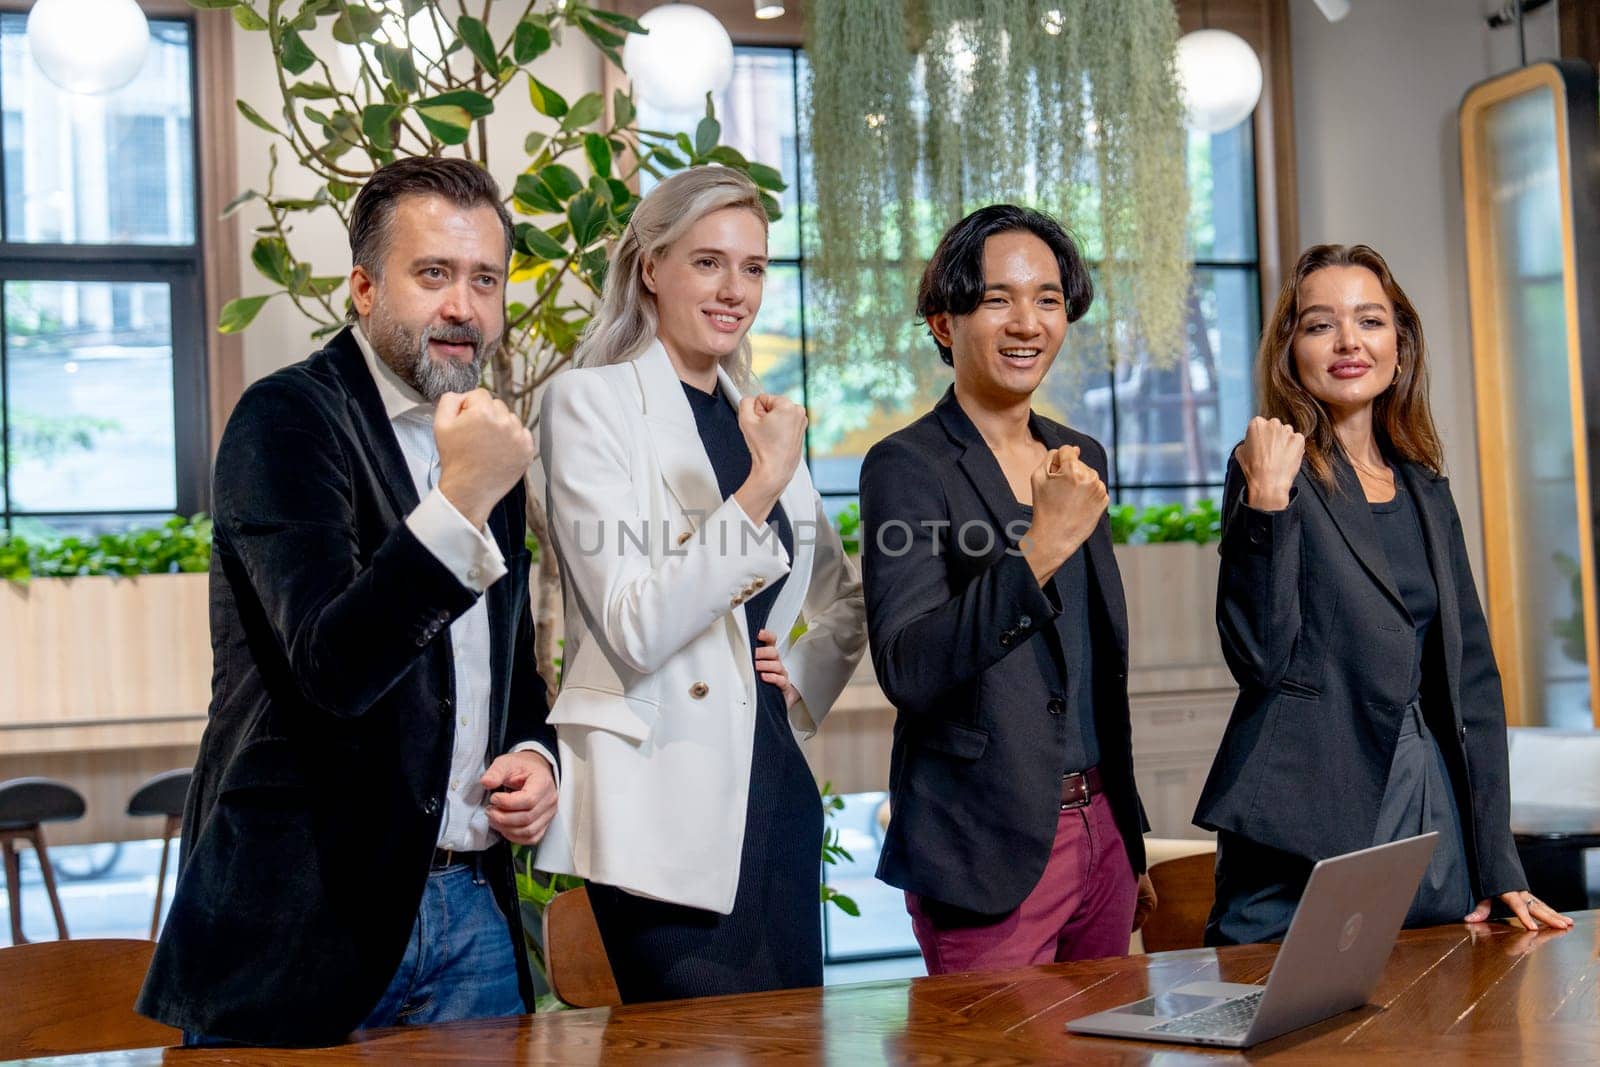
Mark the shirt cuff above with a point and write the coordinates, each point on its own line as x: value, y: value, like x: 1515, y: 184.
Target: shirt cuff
x: 534, y: 746
x: 471, y: 555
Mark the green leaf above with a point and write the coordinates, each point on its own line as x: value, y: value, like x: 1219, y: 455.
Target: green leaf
x: 255, y: 117
x: 561, y: 180
x: 667, y: 159
x: 767, y: 178
x: 272, y: 259
x: 622, y: 108
x: 342, y: 191
x: 319, y: 286
x: 397, y: 65
x: 683, y: 142
x: 237, y: 314
x: 602, y: 35
x: 475, y: 104
x: 296, y: 57
x: 774, y: 212
x: 312, y: 91
x: 449, y: 124
x: 476, y: 37
x: 531, y: 41
x: 212, y: 5
x: 598, y: 149
x: 588, y: 217
x: 355, y: 24
x: 248, y: 18
x: 240, y: 201
x: 541, y: 244
x: 546, y: 101
x: 533, y: 142
x: 534, y: 196
x: 377, y: 122
x: 585, y: 110
x: 728, y: 156
x: 706, y: 135
x: 617, y: 19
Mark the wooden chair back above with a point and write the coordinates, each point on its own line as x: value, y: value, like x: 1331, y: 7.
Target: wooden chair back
x: 580, y: 971
x: 67, y: 997
x: 1185, y: 890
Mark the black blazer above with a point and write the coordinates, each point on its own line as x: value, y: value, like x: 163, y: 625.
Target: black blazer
x: 317, y: 795
x: 1323, y: 649
x: 962, y: 640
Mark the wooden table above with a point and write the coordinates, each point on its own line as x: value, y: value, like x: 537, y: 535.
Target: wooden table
x: 1551, y: 841
x: 1451, y: 995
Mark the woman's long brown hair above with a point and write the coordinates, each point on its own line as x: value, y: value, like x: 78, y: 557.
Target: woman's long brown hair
x: 1401, y: 417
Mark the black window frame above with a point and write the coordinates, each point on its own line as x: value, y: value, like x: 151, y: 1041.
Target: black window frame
x: 180, y: 268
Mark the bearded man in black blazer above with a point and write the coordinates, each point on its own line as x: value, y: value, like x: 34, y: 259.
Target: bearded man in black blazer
x: 377, y: 726
x: 998, y: 628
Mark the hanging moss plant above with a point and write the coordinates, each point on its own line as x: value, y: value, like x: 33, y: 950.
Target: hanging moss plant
x: 923, y: 110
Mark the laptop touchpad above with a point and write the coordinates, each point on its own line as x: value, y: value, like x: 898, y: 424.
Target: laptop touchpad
x: 1167, y: 1005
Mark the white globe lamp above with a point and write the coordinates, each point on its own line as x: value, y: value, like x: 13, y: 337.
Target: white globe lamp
x: 1219, y: 79
x: 686, y: 55
x: 88, y: 46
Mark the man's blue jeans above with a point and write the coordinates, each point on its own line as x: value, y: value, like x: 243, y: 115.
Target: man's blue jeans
x: 459, y: 962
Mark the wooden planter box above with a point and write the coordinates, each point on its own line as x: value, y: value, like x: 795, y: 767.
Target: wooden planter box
x: 103, y: 681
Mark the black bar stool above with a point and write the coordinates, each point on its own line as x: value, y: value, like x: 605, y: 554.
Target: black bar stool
x: 25, y: 804
x: 162, y: 795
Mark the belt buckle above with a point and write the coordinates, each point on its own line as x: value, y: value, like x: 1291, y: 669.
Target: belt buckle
x: 449, y: 859
x: 1074, y: 791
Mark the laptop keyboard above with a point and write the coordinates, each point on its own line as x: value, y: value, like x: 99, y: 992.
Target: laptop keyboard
x: 1231, y: 1018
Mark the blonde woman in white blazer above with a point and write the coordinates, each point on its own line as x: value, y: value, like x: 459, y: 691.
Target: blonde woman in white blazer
x: 691, y: 543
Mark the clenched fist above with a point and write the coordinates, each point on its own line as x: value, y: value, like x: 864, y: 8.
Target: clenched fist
x: 1068, y: 500
x: 1270, y: 458
x: 775, y: 430
x: 483, y: 451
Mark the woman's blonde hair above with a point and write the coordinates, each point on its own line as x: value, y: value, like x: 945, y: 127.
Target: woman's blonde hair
x: 1401, y: 417
x: 626, y: 322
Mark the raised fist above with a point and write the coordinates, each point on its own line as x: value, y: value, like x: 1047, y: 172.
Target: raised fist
x: 1270, y: 458
x: 483, y: 450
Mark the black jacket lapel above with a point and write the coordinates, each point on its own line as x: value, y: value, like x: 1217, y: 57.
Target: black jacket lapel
x: 1347, y: 504
x: 372, y: 423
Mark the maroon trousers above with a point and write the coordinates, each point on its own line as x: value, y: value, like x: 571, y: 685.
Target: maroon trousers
x: 1081, y: 909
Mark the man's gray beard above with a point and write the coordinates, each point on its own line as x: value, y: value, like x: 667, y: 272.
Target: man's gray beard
x: 406, y: 353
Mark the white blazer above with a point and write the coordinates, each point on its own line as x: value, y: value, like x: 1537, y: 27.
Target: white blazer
x: 655, y: 720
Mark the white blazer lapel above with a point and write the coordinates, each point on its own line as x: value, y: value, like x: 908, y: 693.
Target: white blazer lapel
x: 798, y: 504
x: 684, y: 466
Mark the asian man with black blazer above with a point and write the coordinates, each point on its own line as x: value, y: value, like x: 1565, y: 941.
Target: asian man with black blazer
x: 998, y: 628
x: 377, y: 726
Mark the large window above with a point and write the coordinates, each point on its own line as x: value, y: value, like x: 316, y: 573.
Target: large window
x: 1168, y: 429
x: 102, y: 398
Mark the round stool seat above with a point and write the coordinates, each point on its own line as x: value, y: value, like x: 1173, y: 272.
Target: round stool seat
x: 27, y: 802
x: 162, y: 795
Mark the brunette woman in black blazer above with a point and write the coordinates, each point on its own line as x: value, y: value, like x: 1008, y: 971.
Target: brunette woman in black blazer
x: 1369, y: 707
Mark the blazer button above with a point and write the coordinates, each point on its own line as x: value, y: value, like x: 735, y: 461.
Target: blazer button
x: 431, y: 807
x: 699, y: 690
x: 1006, y: 637
x: 758, y: 583
x: 1462, y: 730
x: 445, y: 706
x: 1056, y: 706
x: 444, y: 618
x: 1258, y: 536
x: 1024, y: 622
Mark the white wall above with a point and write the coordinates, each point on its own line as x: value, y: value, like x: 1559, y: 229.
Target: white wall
x: 280, y: 335
x: 1379, y: 162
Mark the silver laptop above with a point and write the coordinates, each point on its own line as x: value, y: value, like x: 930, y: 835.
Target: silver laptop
x: 1330, y: 961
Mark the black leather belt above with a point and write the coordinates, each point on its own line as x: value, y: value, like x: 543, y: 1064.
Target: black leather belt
x: 1078, y: 787
x: 447, y: 857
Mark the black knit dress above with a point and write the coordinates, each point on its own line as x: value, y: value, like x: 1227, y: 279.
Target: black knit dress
x: 773, y: 938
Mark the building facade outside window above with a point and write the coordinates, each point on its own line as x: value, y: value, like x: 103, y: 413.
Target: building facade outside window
x: 102, y: 332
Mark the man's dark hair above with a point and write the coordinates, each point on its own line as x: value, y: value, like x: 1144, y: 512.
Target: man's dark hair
x: 460, y: 181
x: 953, y: 281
